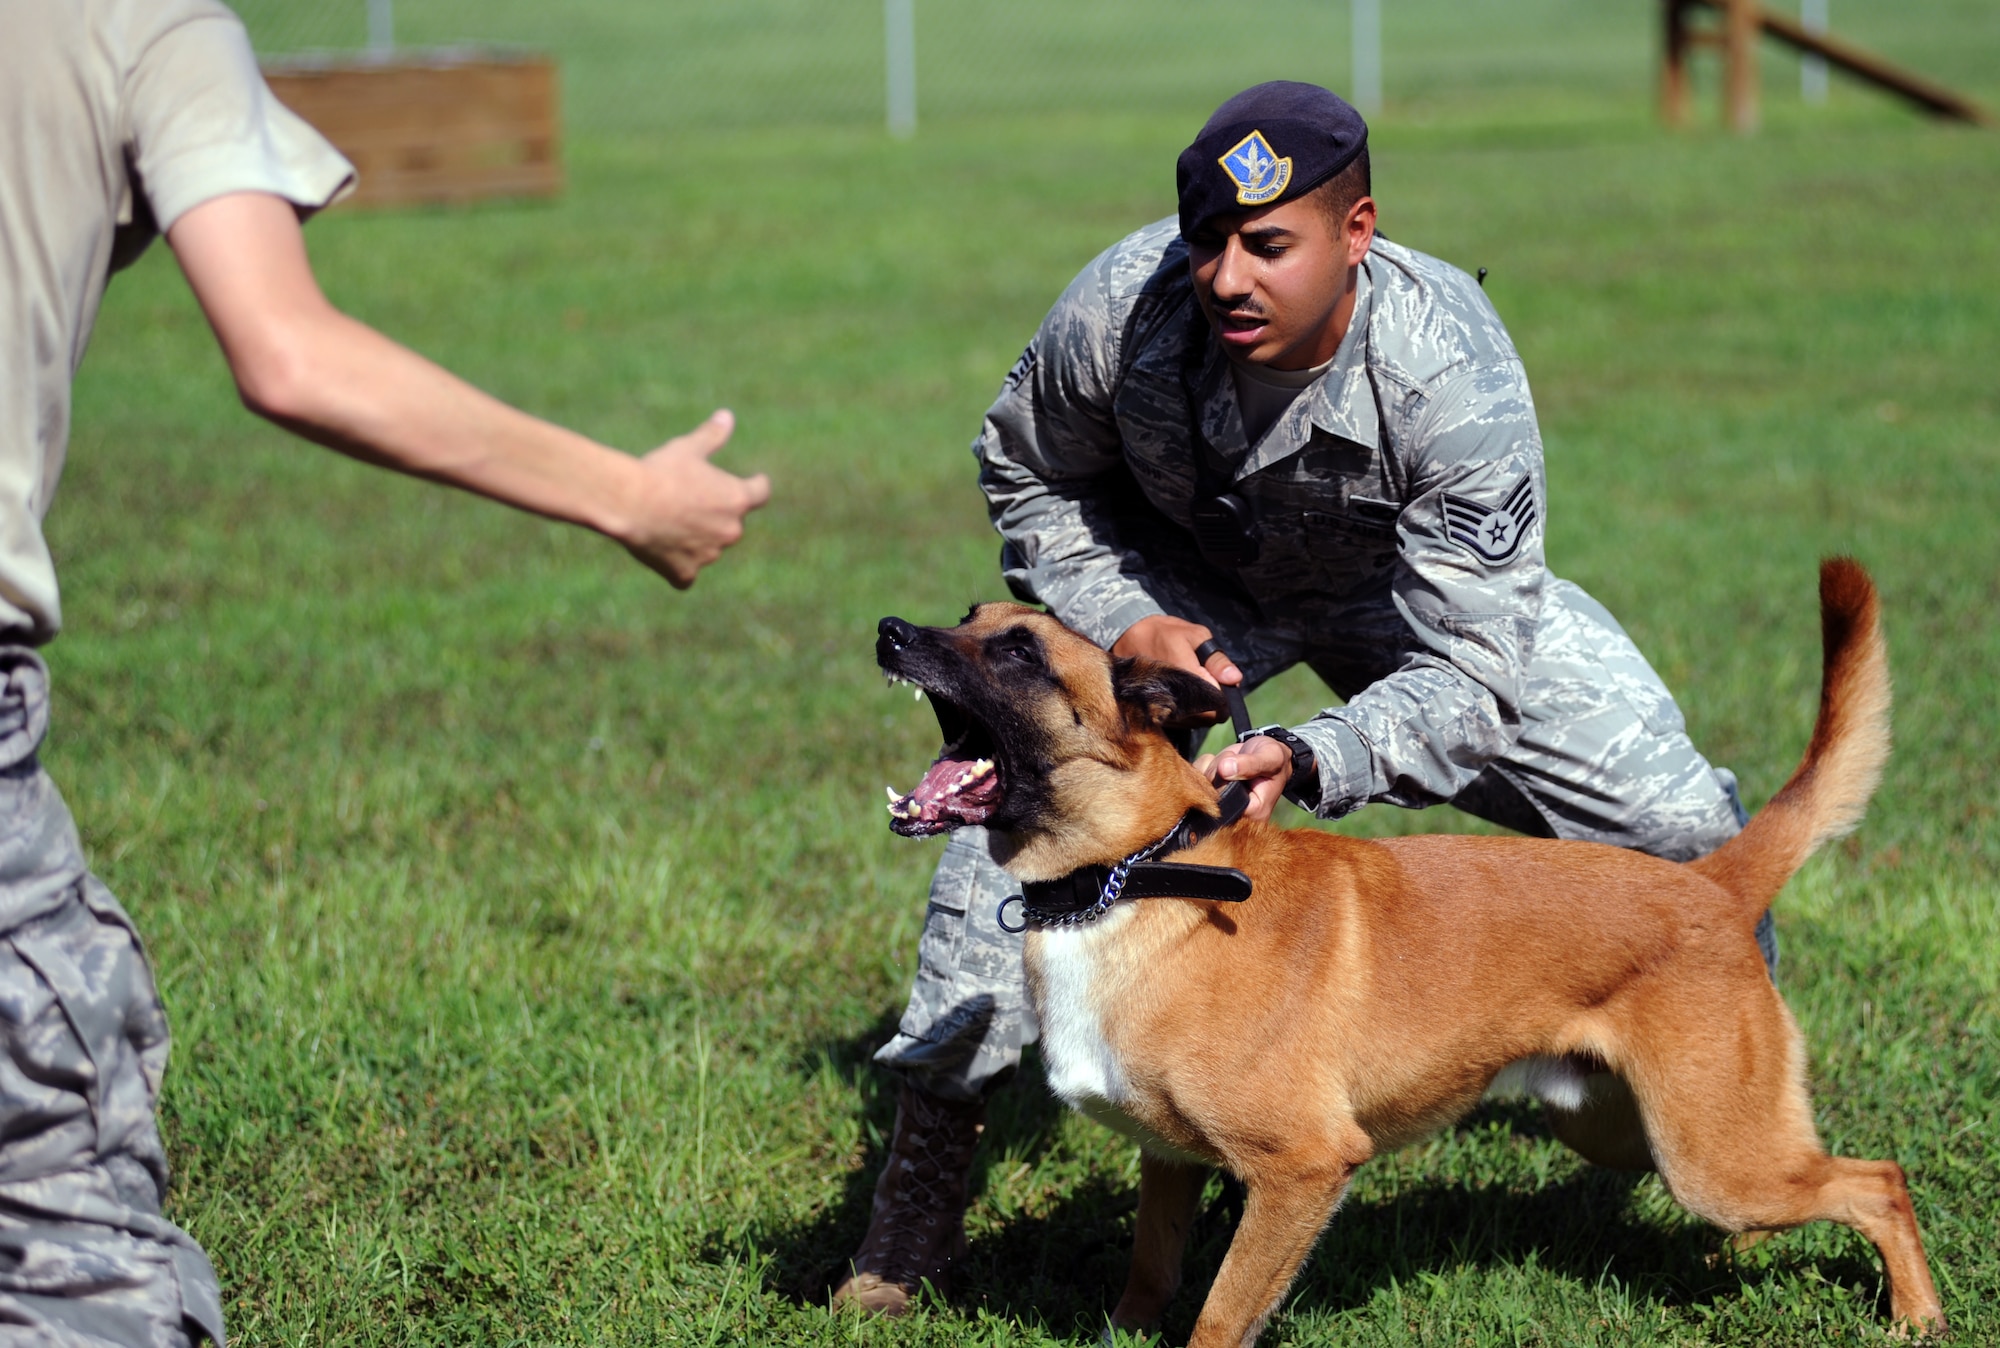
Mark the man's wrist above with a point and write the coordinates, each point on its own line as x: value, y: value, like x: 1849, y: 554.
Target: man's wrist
x: 1106, y: 610
x: 1302, y: 787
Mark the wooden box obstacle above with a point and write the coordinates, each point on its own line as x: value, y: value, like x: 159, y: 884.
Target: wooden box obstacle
x: 433, y: 126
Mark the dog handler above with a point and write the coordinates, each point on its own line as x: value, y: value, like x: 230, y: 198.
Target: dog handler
x: 120, y: 119
x: 1265, y: 424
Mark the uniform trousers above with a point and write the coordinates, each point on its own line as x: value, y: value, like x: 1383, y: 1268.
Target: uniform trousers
x: 1603, y: 755
x: 86, y: 1258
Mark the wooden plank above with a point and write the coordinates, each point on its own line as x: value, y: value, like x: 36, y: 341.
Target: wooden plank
x: 1932, y: 98
x: 437, y: 127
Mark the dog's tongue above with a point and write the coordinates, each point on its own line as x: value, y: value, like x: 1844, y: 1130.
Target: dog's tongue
x: 955, y: 791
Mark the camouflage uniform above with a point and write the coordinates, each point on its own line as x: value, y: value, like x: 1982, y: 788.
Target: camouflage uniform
x: 85, y: 1256
x: 1400, y: 503
x: 117, y: 118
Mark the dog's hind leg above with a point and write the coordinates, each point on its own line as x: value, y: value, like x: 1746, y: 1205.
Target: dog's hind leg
x: 1169, y: 1193
x: 1289, y: 1204
x: 1870, y: 1196
x: 1725, y: 1106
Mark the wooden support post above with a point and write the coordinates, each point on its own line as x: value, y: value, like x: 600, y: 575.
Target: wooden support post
x: 1740, y: 81
x: 1676, y: 39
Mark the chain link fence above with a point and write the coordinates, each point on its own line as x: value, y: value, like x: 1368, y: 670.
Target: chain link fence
x: 656, y: 65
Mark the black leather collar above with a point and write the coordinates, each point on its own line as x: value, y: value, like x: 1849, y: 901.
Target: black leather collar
x: 1086, y: 894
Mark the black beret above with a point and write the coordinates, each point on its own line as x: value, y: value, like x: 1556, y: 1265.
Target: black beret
x: 1268, y: 144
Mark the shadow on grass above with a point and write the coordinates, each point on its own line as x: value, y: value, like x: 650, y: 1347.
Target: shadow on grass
x: 1062, y: 1267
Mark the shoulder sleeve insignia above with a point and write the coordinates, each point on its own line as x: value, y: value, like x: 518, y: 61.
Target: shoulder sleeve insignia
x: 1023, y: 367
x: 1259, y: 174
x: 1492, y: 534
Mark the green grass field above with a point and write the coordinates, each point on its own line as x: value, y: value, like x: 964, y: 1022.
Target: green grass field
x: 526, y: 925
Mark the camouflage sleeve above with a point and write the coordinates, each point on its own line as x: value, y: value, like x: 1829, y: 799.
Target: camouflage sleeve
x: 1048, y: 454
x: 1469, y: 582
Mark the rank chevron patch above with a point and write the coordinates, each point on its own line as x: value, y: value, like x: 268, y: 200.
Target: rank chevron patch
x: 1492, y: 534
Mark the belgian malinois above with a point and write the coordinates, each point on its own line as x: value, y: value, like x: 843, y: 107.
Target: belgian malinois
x: 1368, y: 993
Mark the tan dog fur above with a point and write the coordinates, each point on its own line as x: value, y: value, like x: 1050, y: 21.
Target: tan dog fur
x: 1369, y: 992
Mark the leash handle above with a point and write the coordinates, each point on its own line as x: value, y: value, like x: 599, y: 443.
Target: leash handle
x: 1235, y: 797
x: 1239, y: 710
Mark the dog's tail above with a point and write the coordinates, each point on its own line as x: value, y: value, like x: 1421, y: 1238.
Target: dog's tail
x: 1850, y: 743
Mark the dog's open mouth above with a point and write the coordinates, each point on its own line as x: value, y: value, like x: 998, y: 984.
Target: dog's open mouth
x: 962, y: 785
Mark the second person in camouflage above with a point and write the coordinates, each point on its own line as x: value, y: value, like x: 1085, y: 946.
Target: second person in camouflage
x: 1265, y: 424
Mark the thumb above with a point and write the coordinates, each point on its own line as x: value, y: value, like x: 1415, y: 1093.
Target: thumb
x: 757, y: 489
x: 712, y: 434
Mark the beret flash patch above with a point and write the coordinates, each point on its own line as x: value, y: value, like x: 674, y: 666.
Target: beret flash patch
x: 1492, y: 533
x: 1259, y: 174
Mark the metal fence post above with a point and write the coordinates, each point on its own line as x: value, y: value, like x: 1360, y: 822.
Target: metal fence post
x: 1812, y: 66
x: 1367, y: 45
x: 899, y: 22
x: 381, y: 26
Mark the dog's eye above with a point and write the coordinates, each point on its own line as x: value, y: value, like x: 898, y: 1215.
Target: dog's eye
x: 1017, y: 645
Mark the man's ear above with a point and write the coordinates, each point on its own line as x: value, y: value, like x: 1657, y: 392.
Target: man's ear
x: 1169, y: 698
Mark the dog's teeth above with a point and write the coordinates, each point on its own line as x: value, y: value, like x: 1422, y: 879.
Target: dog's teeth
x: 981, y: 767
x: 916, y: 694
x: 894, y: 794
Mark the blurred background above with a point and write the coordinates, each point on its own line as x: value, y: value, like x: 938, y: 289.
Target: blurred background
x: 648, y: 67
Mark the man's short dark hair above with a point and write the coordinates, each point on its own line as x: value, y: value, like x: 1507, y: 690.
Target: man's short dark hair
x: 1336, y: 196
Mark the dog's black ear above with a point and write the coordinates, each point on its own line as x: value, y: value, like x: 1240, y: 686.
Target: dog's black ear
x: 1170, y: 698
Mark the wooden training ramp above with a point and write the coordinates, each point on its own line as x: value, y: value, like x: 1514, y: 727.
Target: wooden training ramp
x: 1740, y: 24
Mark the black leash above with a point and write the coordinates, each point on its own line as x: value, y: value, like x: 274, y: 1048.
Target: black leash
x: 1089, y: 892
x: 1239, y: 710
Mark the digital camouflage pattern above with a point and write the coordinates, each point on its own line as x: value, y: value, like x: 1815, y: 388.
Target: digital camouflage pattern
x: 1401, y: 506
x: 86, y: 1259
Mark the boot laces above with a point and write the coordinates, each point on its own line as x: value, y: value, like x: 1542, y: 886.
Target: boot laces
x: 931, y: 1163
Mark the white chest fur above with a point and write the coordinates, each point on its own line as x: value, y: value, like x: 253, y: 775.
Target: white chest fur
x: 1082, y: 1069
x: 1074, y: 980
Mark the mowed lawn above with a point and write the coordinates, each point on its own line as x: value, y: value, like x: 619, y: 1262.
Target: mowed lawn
x: 526, y: 926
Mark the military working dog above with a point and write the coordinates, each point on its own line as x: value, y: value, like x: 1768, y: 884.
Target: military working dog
x: 1368, y: 993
